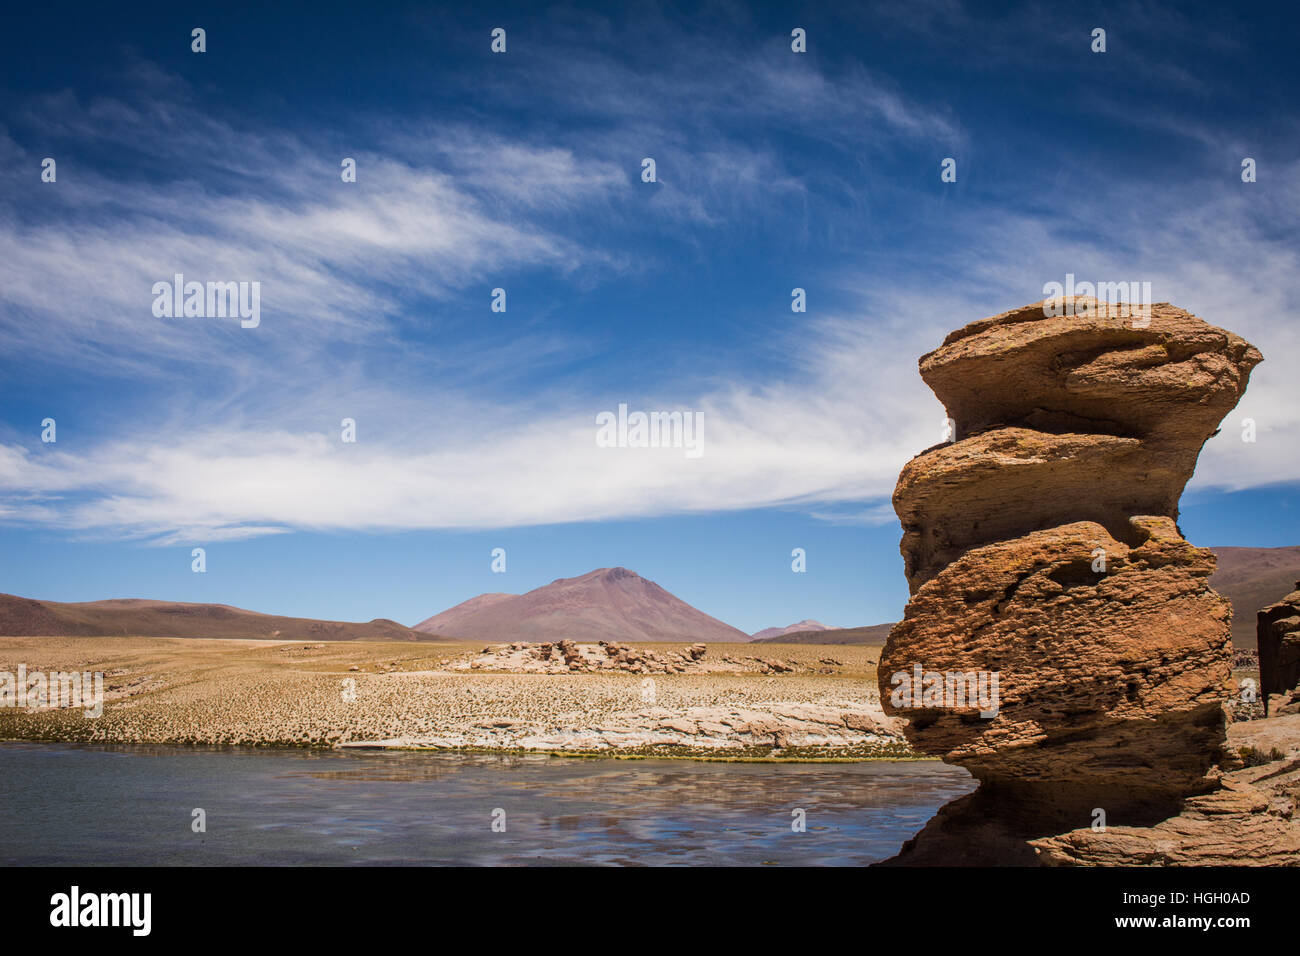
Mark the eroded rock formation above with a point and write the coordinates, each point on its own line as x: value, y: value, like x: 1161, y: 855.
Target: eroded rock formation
x: 1041, y: 546
x: 1077, y: 417
x: 1279, y: 655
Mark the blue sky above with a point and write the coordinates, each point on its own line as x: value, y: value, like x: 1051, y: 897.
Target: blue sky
x: 522, y: 171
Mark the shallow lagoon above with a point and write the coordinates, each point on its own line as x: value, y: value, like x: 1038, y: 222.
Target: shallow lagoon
x: 82, y: 804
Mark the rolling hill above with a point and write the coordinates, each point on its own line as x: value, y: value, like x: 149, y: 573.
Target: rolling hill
x: 797, y: 628
x: 26, y: 617
x: 868, y: 634
x: 1252, y: 579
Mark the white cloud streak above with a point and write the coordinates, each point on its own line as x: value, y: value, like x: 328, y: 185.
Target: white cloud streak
x: 833, y: 427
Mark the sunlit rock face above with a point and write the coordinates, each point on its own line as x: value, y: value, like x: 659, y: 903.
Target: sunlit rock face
x: 1042, y: 550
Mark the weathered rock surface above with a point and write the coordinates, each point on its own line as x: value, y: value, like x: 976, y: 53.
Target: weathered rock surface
x: 847, y: 727
x: 1279, y: 655
x: 1262, y: 740
x: 1061, y: 395
x: 1172, y: 381
x: 1249, y: 820
x: 1113, y: 678
x: 990, y: 487
x: 1043, y: 553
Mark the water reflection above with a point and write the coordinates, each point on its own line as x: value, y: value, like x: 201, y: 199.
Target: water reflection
x: 132, y: 805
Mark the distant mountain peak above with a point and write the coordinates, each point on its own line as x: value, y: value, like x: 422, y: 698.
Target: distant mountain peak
x: 805, y: 625
x: 606, y: 574
x: 614, y: 604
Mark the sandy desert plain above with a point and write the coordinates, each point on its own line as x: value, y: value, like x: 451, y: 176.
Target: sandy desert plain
x: 737, y: 701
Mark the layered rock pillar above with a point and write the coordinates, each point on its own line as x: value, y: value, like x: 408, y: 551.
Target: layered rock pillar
x: 1044, y: 559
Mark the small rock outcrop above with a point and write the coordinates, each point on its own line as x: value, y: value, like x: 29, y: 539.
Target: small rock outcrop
x: 570, y: 657
x: 1062, y: 641
x: 1279, y: 655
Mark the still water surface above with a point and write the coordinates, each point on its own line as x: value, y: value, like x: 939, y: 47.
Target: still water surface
x: 73, y: 804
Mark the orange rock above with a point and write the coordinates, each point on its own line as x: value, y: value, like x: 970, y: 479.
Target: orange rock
x: 1172, y: 381
x: 1105, y: 679
x: 1046, y: 567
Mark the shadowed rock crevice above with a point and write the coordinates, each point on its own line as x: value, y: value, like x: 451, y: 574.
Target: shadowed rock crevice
x: 998, y: 825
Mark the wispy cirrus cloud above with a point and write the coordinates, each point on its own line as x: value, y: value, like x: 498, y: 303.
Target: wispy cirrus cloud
x: 365, y: 284
x: 334, y: 260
